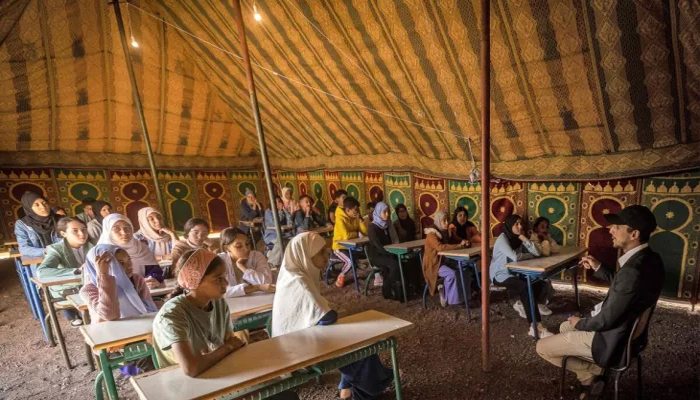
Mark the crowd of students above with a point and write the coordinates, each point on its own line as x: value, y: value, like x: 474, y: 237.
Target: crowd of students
x: 193, y: 329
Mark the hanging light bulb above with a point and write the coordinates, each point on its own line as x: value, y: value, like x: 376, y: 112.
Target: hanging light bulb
x: 256, y: 14
x: 134, y: 43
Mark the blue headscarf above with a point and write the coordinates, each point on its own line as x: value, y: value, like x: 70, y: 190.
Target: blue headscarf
x: 130, y: 303
x: 380, y: 222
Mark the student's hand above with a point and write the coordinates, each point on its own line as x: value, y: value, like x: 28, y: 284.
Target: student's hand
x: 589, y: 262
x: 574, y: 320
x: 103, y: 262
x: 465, y: 243
x: 523, y: 238
x: 153, y: 283
x: 241, y: 264
x: 267, y: 287
x: 233, y: 343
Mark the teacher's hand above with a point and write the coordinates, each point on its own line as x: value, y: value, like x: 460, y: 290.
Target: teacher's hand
x: 573, y: 321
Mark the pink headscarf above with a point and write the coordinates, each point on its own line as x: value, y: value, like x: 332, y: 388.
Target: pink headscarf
x: 193, y: 269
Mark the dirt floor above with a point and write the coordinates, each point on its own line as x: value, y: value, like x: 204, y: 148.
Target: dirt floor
x: 440, y: 358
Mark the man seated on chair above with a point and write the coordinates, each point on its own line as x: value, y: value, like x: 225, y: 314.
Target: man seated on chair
x: 634, y: 288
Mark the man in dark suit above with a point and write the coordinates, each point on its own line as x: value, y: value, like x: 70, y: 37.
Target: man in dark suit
x: 634, y: 288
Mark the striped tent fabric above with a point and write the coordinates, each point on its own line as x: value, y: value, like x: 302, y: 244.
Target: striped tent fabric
x: 580, y: 89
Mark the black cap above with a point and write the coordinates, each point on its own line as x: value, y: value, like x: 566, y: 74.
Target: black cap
x: 636, y: 217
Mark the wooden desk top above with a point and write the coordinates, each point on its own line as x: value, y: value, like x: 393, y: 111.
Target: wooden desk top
x: 253, y: 223
x: 407, y: 246
x: 357, y: 242
x: 268, y: 359
x: 77, y: 302
x: 32, y: 260
x: 7, y: 253
x: 322, y: 230
x: 162, y: 291
x: 472, y: 251
x: 251, y: 304
x: 118, y: 333
x: 48, y: 282
x: 545, y: 264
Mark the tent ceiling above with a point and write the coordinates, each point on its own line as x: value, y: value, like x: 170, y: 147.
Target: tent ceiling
x: 580, y: 89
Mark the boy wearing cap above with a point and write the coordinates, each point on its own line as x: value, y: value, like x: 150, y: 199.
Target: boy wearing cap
x: 634, y: 288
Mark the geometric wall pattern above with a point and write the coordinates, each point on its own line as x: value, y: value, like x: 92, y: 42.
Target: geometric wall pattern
x: 576, y: 210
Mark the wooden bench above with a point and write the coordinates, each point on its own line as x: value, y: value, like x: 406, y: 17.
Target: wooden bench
x: 265, y: 366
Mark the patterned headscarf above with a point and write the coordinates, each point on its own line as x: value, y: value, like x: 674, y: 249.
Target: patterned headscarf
x: 193, y: 269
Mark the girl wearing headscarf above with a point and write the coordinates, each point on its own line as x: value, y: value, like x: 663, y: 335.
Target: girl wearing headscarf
x: 381, y: 233
x: 512, y: 245
x: 118, y: 231
x: 463, y: 228
x: 154, y: 233
x: 405, y: 226
x: 112, y: 290
x: 299, y: 305
x: 439, y: 239
x: 290, y: 205
x: 101, y: 209
x: 37, y: 229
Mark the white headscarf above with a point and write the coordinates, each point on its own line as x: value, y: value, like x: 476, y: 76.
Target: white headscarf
x: 298, y: 302
x: 130, y: 303
x: 161, y: 241
x: 140, y: 254
x: 290, y: 205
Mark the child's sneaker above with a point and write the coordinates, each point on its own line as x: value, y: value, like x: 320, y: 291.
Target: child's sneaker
x: 443, y: 299
x: 518, y: 306
x: 378, y: 280
x: 543, y: 333
x: 340, y: 281
x: 544, y: 310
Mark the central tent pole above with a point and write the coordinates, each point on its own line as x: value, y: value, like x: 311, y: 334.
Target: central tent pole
x: 139, y: 108
x: 256, y: 115
x: 485, y: 180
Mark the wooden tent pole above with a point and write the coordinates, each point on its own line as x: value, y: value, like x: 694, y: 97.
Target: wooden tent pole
x: 139, y: 108
x: 256, y: 114
x: 485, y: 180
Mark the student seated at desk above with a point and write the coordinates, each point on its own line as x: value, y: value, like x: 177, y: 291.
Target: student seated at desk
x: 88, y: 213
x: 404, y: 225
x: 193, y: 329
x: 306, y: 218
x: 94, y: 227
x: 437, y: 239
x: 299, y: 305
x: 338, y: 200
x: 270, y: 236
x: 541, y: 238
x: 512, y: 245
x: 154, y: 233
x: 367, y: 219
x: 290, y: 205
x: 464, y: 229
x: 118, y: 231
x: 196, y: 232
x: 381, y: 233
x: 247, y: 271
x: 37, y: 229
x: 113, y: 291
x: 65, y: 259
x: 348, y: 226
x: 251, y: 210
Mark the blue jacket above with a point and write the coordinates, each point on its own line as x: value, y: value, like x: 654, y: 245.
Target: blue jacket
x: 30, y: 242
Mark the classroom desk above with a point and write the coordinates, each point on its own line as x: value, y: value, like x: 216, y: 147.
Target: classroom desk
x: 319, y: 348
x: 249, y: 312
x: 403, y: 249
x: 322, y: 230
x: 544, y: 267
x: 466, y: 257
x: 253, y: 225
x: 163, y: 291
x: 25, y: 268
x: 357, y: 244
x: 45, y: 284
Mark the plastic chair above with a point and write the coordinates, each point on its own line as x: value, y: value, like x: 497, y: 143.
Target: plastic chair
x: 636, y: 343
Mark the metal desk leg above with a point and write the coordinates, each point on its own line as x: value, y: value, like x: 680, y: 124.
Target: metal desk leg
x: 107, y: 375
x: 88, y: 350
x: 25, y: 289
x: 532, y: 307
x: 36, y: 301
x: 57, y: 327
x: 464, y: 290
x: 395, y: 366
x: 476, y: 273
x: 403, y: 283
x: 354, y: 273
x: 574, y: 279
